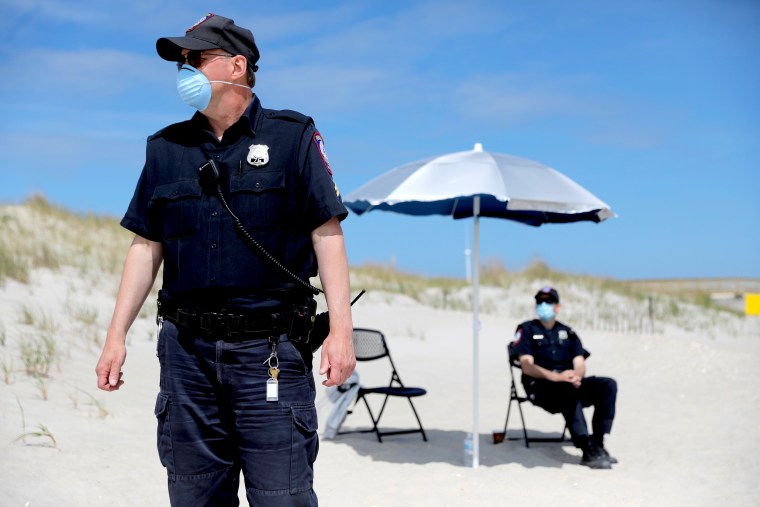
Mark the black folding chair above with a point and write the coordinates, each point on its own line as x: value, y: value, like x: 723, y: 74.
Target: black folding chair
x: 370, y: 345
x: 515, y: 396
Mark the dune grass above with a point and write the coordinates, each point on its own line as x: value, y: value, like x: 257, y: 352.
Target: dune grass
x: 39, y: 234
x: 41, y: 431
x: 38, y: 353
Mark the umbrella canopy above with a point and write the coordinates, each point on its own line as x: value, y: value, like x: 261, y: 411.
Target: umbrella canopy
x: 509, y: 187
x: 473, y: 184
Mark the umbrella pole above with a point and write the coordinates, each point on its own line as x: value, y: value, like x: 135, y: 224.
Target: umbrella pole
x: 475, y: 332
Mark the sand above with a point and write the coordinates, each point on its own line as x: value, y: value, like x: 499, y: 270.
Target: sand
x: 686, y: 431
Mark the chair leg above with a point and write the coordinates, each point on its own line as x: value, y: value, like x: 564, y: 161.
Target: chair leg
x: 424, y: 436
x: 522, y: 418
x: 512, y: 398
x: 374, y: 421
x: 506, y: 420
x: 382, y: 407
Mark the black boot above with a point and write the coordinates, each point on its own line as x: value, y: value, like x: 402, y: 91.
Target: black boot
x: 599, y: 442
x: 593, y: 457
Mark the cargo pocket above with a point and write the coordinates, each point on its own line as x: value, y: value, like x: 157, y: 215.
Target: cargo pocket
x: 304, y: 447
x: 164, y: 433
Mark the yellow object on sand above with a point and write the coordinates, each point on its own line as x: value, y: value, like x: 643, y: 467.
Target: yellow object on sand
x: 752, y: 304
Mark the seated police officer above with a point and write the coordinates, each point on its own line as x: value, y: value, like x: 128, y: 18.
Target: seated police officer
x: 553, y: 363
x: 236, y: 386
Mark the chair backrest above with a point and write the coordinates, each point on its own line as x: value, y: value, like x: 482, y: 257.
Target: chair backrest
x: 514, y: 362
x: 369, y: 344
x: 514, y: 359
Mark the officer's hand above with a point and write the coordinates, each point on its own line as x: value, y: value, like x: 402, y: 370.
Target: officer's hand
x: 338, y: 359
x: 570, y: 377
x: 110, y: 363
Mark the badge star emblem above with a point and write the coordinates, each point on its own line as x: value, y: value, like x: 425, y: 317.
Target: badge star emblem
x: 258, y: 155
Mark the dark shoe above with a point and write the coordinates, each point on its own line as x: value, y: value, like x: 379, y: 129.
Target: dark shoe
x: 598, y: 442
x: 612, y: 459
x: 594, y: 457
x: 598, y: 462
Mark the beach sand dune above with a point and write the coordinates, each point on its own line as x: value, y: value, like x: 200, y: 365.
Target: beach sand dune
x: 686, y: 431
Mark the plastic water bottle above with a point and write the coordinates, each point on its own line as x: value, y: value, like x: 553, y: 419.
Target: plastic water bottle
x: 468, y: 450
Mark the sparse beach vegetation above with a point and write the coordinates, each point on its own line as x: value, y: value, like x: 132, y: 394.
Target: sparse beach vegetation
x: 6, y: 366
x: 100, y: 407
x: 41, y: 430
x: 39, y: 234
x: 38, y: 353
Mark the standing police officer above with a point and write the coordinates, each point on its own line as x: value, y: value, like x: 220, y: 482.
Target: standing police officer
x: 553, y: 363
x: 237, y: 391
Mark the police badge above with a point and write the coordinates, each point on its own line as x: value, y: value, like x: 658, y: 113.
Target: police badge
x: 258, y: 155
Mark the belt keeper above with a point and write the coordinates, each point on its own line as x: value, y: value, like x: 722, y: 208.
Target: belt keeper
x: 233, y: 322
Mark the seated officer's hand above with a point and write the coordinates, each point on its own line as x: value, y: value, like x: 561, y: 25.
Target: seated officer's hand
x: 570, y: 377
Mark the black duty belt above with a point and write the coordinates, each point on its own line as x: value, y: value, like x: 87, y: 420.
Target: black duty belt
x: 230, y: 323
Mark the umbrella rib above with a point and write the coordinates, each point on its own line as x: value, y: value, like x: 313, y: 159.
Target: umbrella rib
x: 454, y: 208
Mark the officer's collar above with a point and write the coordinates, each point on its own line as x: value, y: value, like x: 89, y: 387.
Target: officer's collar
x: 252, y: 113
x: 247, y: 120
x: 541, y: 324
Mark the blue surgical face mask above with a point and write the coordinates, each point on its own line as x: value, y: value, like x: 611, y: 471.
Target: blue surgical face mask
x: 545, y: 311
x: 195, y: 89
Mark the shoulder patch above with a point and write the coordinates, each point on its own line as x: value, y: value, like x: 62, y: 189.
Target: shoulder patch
x: 288, y: 115
x: 518, y: 336
x: 320, y: 143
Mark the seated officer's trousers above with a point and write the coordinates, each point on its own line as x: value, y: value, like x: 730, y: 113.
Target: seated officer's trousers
x: 562, y: 397
x: 214, y: 421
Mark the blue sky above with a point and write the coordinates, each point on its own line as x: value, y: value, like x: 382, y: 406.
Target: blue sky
x: 651, y: 105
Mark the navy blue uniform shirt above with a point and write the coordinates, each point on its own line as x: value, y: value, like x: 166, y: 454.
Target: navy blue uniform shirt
x: 275, y: 178
x: 553, y: 349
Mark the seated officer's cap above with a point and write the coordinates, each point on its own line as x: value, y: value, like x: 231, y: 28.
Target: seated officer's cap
x: 211, y: 32
x: 547, y: 294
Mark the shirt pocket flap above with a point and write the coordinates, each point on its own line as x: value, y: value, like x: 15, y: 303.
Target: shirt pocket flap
x: 258, y: 181
x: 177, y: 190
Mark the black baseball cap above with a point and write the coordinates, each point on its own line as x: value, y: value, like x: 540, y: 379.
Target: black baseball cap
x: 547, y: 294
x: 211, y: 32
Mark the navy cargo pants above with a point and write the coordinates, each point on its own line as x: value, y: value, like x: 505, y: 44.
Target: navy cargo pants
x: 561, y: 397
x: 214, y: 421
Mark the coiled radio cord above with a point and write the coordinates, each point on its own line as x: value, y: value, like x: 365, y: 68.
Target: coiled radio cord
x: 260, y: 249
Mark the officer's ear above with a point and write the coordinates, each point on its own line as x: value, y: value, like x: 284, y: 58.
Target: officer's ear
x: 239, y: 67
x: 556, y: 308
